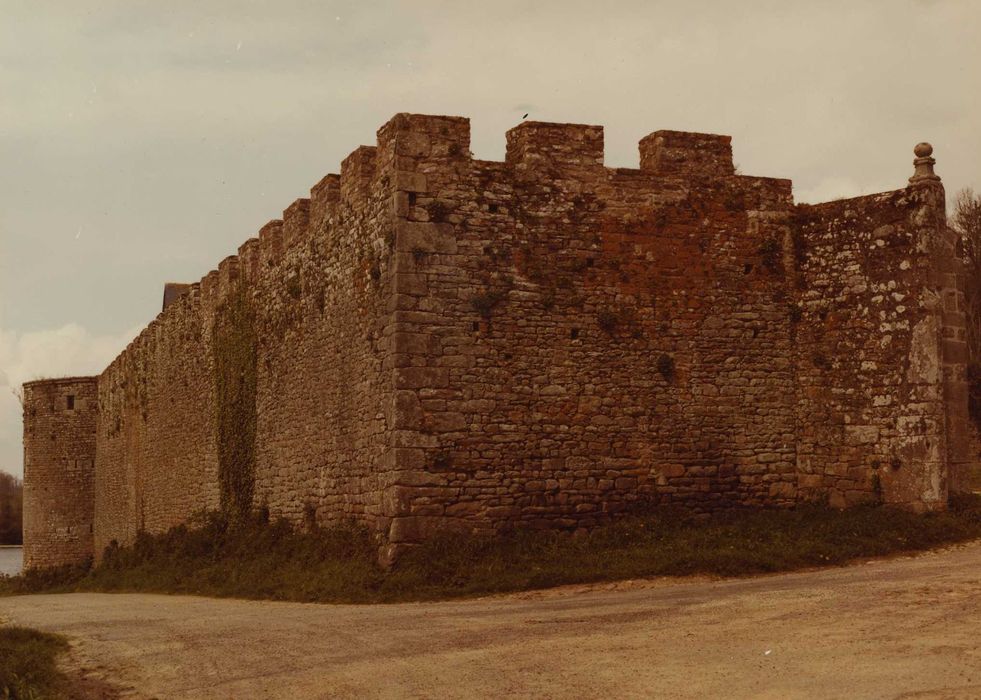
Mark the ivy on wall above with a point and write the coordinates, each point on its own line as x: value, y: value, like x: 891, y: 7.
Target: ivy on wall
x: 234, y: 343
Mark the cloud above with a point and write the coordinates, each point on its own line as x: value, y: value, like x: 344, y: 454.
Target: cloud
x: 69, y: 350
x: 66, y: 351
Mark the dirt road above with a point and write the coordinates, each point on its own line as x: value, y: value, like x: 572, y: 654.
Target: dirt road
x: 902, y: 628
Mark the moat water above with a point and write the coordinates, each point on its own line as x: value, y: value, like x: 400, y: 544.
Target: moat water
x: 11, y: 560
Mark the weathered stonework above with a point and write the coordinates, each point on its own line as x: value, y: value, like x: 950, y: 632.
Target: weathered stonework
x: 59, y: 470
x: 432, y: 341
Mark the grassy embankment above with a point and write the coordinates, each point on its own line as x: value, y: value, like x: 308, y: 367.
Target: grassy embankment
x: 257, y: 559
x: 27, y: 665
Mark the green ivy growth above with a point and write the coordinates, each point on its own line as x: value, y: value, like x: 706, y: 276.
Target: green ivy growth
x: 234, y: 342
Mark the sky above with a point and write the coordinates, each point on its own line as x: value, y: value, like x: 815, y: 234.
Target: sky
x: 142, y: 142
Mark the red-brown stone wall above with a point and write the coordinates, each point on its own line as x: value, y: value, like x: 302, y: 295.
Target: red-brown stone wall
x: 433, y: 341
x: 583, y: 341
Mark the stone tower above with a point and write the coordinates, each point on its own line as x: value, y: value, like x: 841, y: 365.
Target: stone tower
x: 59, y: 470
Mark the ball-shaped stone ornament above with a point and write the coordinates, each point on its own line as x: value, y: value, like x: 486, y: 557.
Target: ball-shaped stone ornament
x: 923, y: 150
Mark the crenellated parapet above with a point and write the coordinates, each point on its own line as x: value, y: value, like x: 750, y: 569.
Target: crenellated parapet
x: 431, y: 341
x: 296, y: 222
x: 271, y: 242
x: 554, y: 149
x: 356, y: 174
x: 250, y: 259
x: 422, y: 156
x: 684, y: 153
x: 324, y: 199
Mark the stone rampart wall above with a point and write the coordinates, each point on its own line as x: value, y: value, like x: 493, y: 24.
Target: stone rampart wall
x: 432, y: 341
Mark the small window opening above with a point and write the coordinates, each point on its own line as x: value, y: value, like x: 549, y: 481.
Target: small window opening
x: 71, y: 402
x: 589, y: 262
x: 747, y: 268
x: 476, y: 325
x: 574, y: 333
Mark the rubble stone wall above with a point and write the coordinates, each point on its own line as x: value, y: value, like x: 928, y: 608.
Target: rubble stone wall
x: 267, y: 380
x: 432, y: 341
x: 59, y: 454
x: 872, y: 412
x: 590, y: 340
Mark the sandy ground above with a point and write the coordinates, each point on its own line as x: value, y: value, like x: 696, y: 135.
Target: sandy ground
x: 900, y: 628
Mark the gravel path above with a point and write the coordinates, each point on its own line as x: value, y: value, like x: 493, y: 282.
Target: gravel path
x: 901, y: 628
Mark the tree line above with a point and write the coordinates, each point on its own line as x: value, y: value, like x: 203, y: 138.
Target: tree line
x: 11, y: 509
x: 966, y: 221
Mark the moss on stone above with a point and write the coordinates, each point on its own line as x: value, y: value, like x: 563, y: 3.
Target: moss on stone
x: 234, y: 343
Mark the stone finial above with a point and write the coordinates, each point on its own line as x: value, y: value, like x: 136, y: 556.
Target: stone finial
x: 923, y: 163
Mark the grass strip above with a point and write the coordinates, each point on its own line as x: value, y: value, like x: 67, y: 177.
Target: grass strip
x: 28, y: 669
x: 271, y: 560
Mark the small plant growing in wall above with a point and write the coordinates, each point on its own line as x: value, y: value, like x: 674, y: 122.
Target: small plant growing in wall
x: 734, y: 201
x: 665, y: 366
x: 310, y: 516
x: 607, y: 321
x: 770, y: 255
x: 293, y: 287
x: 821, y: 360
x: 442, y: 461
x: 548, y: 299
x: 800, y: 247
x: 375, y: 271
x: 876, y: 482
x: 795, y: 313
x: 484, y: 303
x: 438, y: 212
